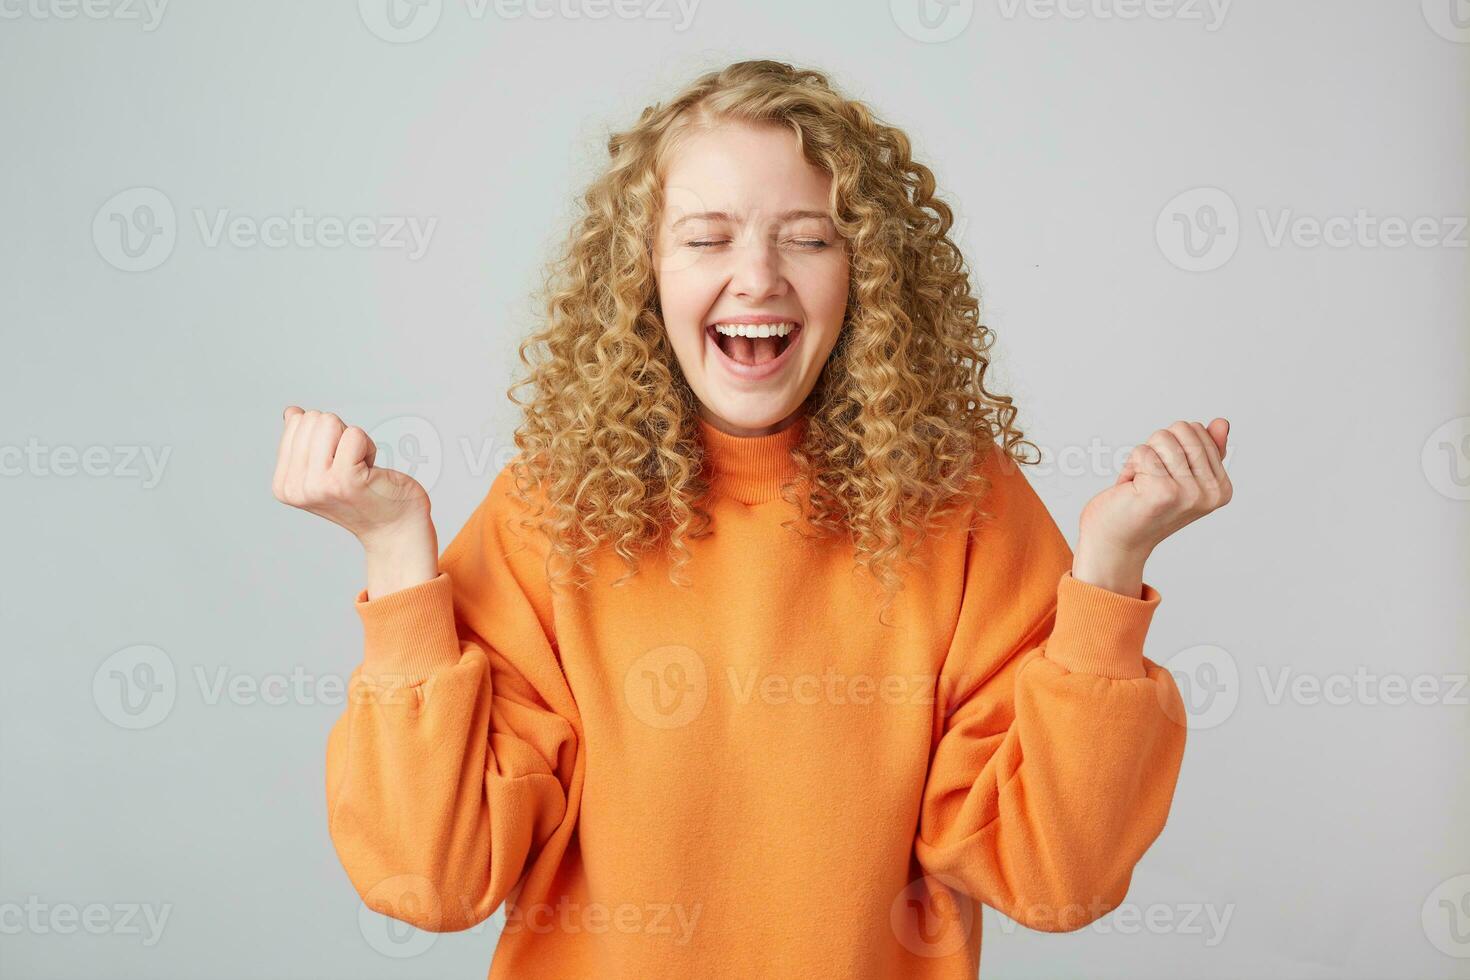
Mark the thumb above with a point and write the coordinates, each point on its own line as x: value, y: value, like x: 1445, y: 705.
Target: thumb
x: 355, y: 450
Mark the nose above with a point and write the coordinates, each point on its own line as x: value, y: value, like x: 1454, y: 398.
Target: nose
x: 757, y: 274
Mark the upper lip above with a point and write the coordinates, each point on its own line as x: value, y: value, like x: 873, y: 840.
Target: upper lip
x: 755, y: 318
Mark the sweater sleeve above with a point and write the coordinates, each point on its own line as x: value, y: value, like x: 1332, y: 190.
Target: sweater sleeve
x: 1057, y: 745
x: 455, y: 768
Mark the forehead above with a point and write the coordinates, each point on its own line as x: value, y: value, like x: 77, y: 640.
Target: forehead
x: 749, y: 172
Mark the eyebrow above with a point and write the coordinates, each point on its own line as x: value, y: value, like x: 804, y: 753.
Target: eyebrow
x: 725, y: 216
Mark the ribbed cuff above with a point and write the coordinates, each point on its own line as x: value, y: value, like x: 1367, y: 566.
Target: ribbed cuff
x: 1099, y: 631
x: 410, y: 633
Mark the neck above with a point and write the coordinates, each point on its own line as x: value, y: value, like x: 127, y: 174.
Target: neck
x: 716, y: 422
x: 751, y: 468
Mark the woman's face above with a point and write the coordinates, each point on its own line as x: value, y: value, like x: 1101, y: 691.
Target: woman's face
x: 745, y: 236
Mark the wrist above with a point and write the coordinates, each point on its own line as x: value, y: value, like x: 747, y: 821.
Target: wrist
x: 1114, y: 569
x: 409, y: 537
x: 400, y: 558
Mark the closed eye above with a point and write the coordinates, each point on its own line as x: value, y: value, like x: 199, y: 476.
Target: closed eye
x: 812, y: 244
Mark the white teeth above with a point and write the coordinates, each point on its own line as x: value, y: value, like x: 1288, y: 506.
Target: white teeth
x: 755, y: 329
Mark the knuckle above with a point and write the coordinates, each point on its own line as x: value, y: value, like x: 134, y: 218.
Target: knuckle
x: 313, y: 487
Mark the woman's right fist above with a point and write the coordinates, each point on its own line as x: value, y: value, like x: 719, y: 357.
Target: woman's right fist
x: 326, y: 468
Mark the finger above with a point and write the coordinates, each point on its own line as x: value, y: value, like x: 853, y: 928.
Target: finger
x: 1130, y: 466
x: 283, y: 451
x: 1166, y: 445
x: 1212, y: 453
x: 1148, y: 466
x: 1219, y: 430
x: 1194, y: 451
x: 1142, y: 461
x: 300, y: 449
x: 355, y: 450
x: 324, y: 436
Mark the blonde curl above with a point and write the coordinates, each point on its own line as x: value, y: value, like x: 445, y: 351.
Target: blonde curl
x: 899, y: 416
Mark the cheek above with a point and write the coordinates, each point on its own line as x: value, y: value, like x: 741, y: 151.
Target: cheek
x: 687, y: 295
x: 830, y: 292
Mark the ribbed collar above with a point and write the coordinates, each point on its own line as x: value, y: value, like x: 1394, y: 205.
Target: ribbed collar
x: 751, y: 469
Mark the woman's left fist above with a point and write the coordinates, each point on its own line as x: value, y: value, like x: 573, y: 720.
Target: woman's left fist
x: 1172, y: 479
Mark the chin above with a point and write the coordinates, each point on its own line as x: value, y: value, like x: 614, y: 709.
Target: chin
x: 751, y: 418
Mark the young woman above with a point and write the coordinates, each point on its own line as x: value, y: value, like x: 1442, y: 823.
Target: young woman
x: 851, y: 681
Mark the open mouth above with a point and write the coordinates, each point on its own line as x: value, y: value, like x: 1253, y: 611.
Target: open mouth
x: 759, y: 354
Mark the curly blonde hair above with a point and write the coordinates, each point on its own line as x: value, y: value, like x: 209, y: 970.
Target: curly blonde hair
x: 899, y: 413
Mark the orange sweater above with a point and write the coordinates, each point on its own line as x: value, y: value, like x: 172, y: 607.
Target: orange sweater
x: 754, y: 778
